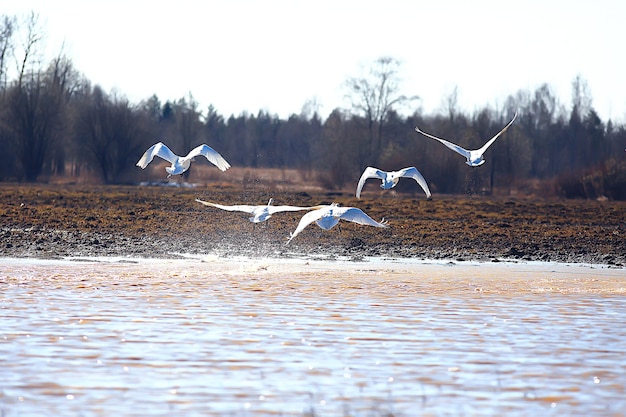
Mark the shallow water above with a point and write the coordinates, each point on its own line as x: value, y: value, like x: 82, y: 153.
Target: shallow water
x: 242, y: 337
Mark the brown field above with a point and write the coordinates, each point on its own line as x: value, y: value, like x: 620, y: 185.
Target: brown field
x: 57, y: 220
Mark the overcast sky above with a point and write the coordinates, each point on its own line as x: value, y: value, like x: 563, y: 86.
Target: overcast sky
x: 247, y: 55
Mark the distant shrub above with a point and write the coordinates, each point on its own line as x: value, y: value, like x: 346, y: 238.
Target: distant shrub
x: 605, y: 181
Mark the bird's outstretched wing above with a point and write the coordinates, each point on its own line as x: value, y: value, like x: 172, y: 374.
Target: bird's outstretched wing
x: 369, y: 172
x: 493, y: 139
x: 278, y: 209
x: 244, y: 208
x: 356, y: 215
x: 456, y: 148
x: 211, y: 154
x: 412, y: 172
x: 307, y: 219
x: 160, y: 150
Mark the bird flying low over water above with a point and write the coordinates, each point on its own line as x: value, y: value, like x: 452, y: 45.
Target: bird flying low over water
x: 475, y: 157
x: 259, y: 213
x: 181, y: 164
x: 327, y: 217
x: 391, y: 178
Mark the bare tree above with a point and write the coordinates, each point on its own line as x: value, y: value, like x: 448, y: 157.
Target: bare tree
x: 35, y: 109
x: 188, y: 124
x: 7, y: 28
x: 578, y: 135
x: 7, y: 161
x: 451, y: 104
x: 543, y: 113
x: 374, y: 97
x: 335, y: 152
x: 31, y: 59
x: 581, y: 97
x: 111, y: 133
x: 36, y: 105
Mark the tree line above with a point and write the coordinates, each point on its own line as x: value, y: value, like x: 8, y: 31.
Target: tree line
x: 55, y: 122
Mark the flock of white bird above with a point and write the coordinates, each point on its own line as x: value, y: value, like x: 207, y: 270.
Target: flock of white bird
x: 325, y: 216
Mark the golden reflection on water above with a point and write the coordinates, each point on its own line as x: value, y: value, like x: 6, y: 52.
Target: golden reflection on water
x: 266, y: 337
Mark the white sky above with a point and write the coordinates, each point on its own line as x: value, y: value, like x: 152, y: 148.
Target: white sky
x: 247, y: 55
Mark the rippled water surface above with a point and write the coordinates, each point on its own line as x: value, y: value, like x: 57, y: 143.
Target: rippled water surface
x: 241, y: 337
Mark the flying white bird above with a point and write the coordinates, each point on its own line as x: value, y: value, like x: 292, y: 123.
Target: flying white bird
x: 475, y: 157
x: 390, y: 179
x: 327, y: 217
x: 181, y: 164
x: 259, y: 213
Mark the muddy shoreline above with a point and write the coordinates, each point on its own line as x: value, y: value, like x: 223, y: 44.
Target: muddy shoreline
x: 56, y: 221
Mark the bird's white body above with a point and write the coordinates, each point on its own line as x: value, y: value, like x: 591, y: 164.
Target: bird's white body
x: 259, y: 213
x: 327, y: 217
x: 391, y: 178
x: 474, y: 157
x: 181, y: 164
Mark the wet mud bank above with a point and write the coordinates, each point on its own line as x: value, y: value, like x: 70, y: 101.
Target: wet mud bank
x: 55, y: 221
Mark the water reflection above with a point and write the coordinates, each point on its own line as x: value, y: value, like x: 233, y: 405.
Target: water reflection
x: 249, y: 337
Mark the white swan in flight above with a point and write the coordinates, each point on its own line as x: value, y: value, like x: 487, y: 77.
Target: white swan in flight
x: 259, y: 213
x: 475, y: 157
x: 391, y: 178
x: 327, y: 217
x: 181, y: 164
